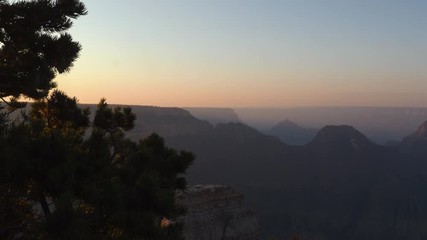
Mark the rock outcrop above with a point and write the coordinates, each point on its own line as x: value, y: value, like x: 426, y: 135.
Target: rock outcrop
x: 342, y: 136
x: 215, y: 212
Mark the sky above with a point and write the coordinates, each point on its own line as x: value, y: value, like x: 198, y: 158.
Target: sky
x: 251, y: 53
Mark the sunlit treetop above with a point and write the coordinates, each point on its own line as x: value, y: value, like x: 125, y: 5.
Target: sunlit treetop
x: 34, y: 45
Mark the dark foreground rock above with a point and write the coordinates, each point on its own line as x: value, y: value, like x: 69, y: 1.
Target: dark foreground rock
x: 215, y: 212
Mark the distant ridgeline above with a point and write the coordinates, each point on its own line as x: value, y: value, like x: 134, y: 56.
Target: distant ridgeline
x: 340, y: 185
x: 291, y: 133
x: 214, y: 115
x: 380, y: 124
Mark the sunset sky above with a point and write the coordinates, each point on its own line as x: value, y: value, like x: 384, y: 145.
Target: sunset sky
x: 245, y: 53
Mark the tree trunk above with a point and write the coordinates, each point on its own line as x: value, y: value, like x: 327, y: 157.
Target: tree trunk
x: 44, y: 205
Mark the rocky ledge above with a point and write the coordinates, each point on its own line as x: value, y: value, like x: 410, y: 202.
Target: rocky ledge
x: 215, y: 212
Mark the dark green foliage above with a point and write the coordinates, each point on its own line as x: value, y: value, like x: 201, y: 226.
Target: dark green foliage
x: 34, y: 46
x: 112, y: 123
x: 113, y: 120
x: 135, y: 184
x: 105, y: 191
x: 61, y: 112
x: 57, y: 181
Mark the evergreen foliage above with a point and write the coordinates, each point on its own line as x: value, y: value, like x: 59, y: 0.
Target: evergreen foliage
x: 61, y: 175
x: 34, y: 45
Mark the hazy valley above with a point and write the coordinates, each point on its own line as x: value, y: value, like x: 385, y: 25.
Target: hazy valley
x: 339, y: 185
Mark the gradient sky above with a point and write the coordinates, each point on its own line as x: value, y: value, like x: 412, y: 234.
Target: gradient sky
x: 247, y: 53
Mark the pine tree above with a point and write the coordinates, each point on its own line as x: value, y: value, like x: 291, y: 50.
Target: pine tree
x: 34, y: 45
x: 61, y: 175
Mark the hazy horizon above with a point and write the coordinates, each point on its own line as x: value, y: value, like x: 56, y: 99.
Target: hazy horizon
x: 249, y: 53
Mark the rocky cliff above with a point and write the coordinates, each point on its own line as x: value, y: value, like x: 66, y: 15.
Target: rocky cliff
x: 215, y: 212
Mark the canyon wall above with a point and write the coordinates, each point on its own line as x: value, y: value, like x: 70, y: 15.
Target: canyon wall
x: 215, y: 212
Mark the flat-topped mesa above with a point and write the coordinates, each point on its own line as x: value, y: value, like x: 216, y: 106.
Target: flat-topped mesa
x: 166, y: 122
x: 215, y: 212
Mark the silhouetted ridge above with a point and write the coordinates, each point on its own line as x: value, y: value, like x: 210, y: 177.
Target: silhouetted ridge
x: 243, y: 133
x: 166, y: 122
x: 341, y: 135
x: 339, y: 186
x: 214, y: 115
x: 417, y: 141
x: 234, y: 129
x: 291, y: 133
x: 287, y: 123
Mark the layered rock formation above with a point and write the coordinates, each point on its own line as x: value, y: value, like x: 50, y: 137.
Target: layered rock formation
x: 215, y: 212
